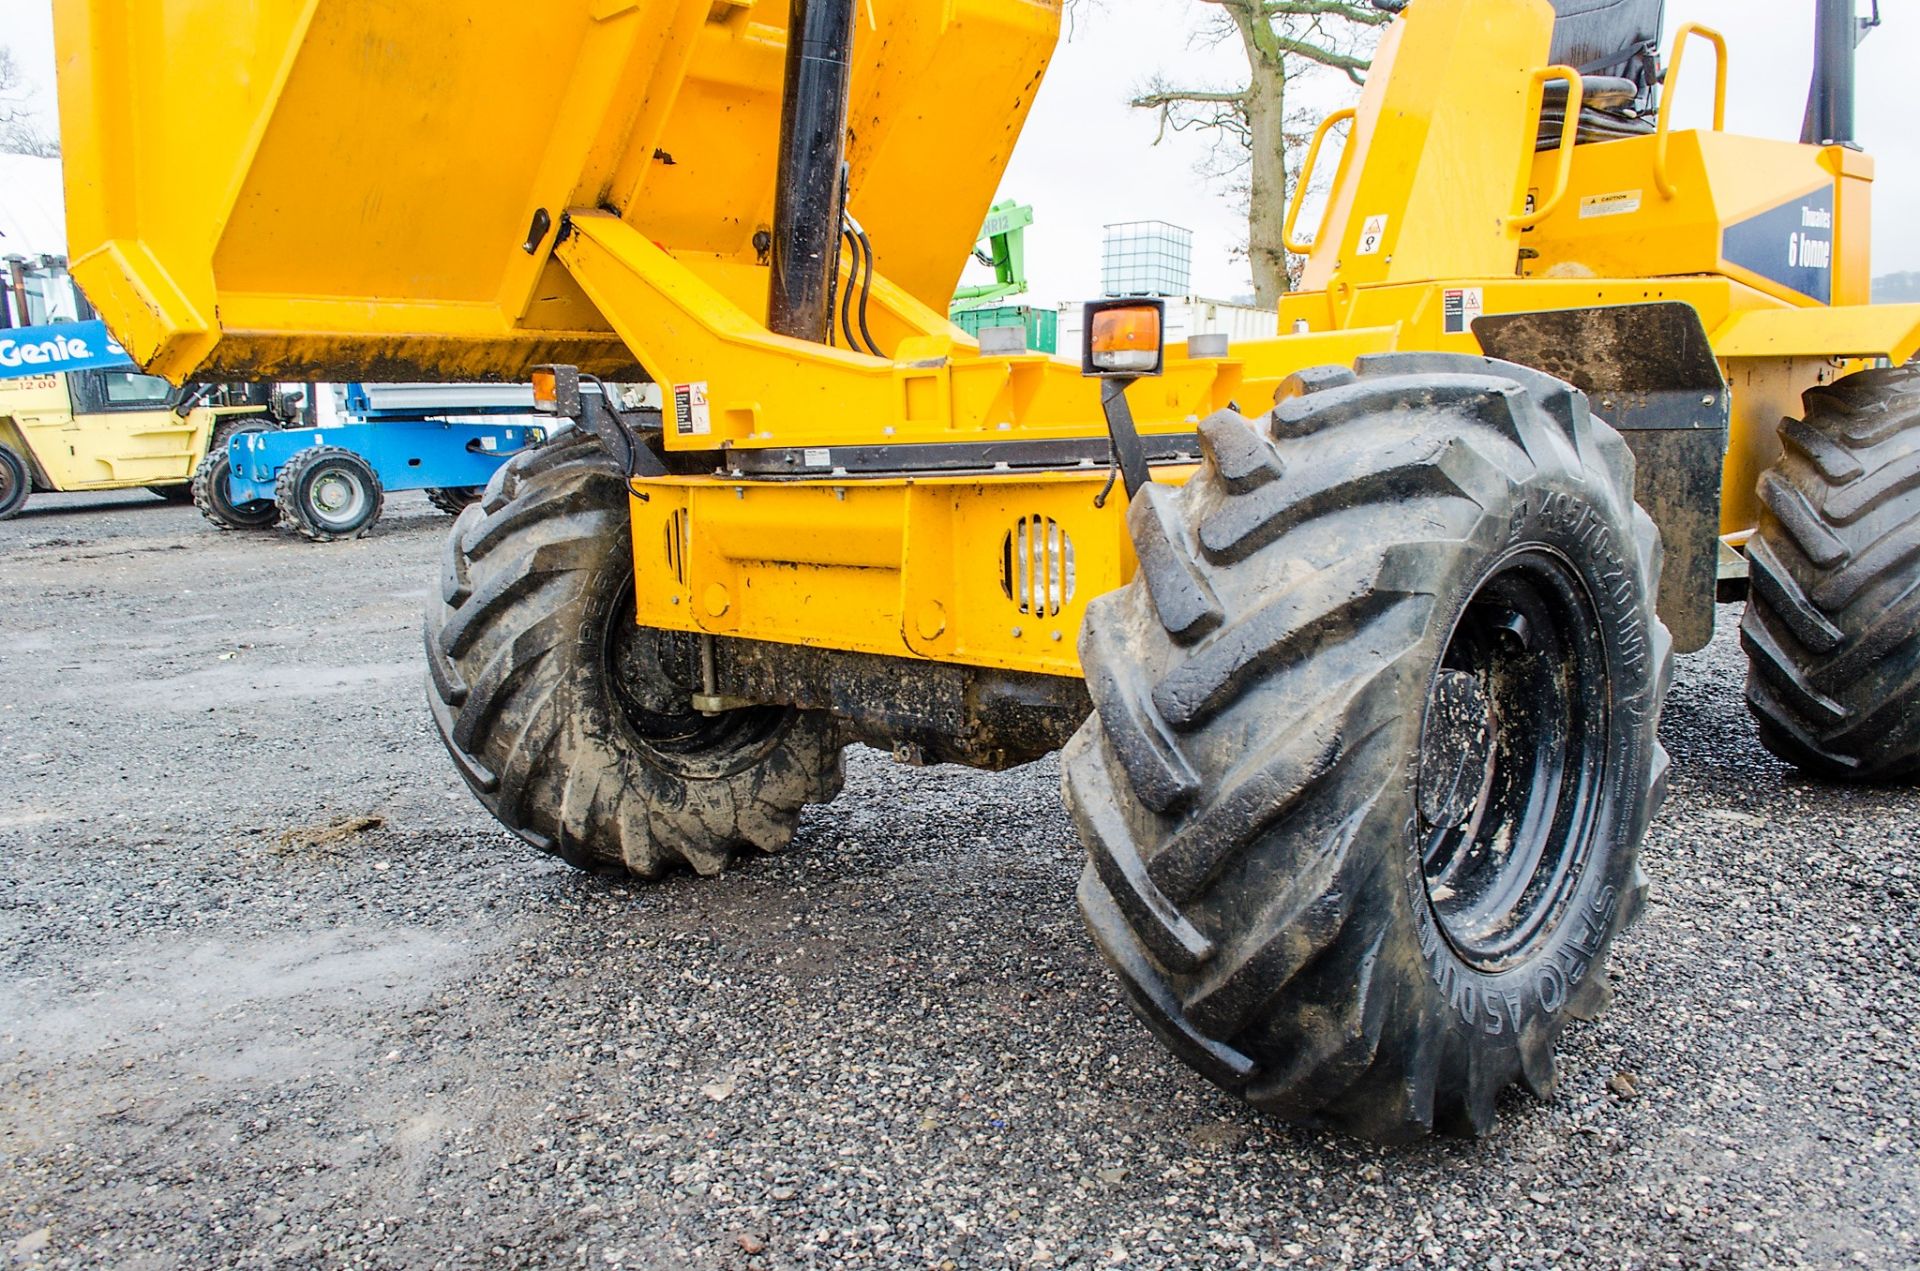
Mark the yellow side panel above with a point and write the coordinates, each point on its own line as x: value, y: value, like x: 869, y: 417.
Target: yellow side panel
x: 1440, y: 152
x: 33, y: 402
x: 977, y: 572
x: 1765, y: 391
x: 35, y: 395
x: 1855, y: 331
x: 1616, y: 223
x: 121, y: 450
x: 124, y: 449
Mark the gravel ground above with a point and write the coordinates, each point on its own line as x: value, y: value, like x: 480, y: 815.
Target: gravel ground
x: 228, y: 1039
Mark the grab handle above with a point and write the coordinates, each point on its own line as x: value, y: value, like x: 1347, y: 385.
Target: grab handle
x: 1661, y: 176
x: 1569, y: 134
x: 1306, y: 178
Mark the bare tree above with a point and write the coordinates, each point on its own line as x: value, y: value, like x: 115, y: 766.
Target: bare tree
x: 20, y: 131
x: 1255, y: 136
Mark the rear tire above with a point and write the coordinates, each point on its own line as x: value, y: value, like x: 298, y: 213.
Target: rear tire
x: 214, y: 497
x: 328, y: 493
x: 573, y: 725
x: 1832, y: 626
x: 16, y: 482
x: 453, y: 500
x: 1374, y: 743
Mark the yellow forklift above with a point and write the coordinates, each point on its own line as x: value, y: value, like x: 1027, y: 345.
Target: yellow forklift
x: 1355, y: 639
x: 76, y: 414
x: 108, y: 430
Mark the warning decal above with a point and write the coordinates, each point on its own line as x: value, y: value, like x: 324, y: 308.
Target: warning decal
x: 1459, y: 306
x: 690, y: 415
x: 1373, y: 232
x: 1618, y: 204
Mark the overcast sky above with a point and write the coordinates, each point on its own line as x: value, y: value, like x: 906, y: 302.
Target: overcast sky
x: 1086, y: 159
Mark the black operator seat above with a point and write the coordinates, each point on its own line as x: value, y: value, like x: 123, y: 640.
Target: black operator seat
x: 1614, y: 44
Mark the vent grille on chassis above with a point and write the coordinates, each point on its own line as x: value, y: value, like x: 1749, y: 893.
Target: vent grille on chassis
x: 677, y: 546
x: 1036, y: 566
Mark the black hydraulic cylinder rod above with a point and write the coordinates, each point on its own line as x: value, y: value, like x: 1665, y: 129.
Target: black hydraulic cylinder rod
x: 806, y: 201
x: 1830, y: 101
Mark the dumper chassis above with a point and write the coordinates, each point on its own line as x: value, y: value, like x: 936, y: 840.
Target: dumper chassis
x: 1355, y: 641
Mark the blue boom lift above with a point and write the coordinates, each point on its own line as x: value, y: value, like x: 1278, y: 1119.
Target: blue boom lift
x: 331, y: 482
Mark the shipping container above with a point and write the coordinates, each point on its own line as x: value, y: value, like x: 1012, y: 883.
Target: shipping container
x: 1042, y: 324
x: 1188, y: 315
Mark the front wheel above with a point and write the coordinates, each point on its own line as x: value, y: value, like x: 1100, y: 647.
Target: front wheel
x: 16, y: 482
x: 573, y: 725
x: 328, y: 493
x: 1374, y: 745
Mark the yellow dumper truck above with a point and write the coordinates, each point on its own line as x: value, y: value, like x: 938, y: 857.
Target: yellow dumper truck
x: 1355, y: 639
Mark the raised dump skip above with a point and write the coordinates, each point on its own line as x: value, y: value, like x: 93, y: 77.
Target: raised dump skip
x: 347, y: 188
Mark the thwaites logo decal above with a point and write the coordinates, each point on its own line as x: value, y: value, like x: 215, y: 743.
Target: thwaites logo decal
x: 1792, y: 244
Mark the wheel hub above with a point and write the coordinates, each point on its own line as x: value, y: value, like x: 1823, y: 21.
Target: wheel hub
x: 1512, y: 759
x: 654, y: 675
x: 1456, y: 750
x: 332, y: 494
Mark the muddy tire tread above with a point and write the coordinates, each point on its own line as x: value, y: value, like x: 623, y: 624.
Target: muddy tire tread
x: 1832, y: 625
x: 1294, y: 1005
x: 524, y: 568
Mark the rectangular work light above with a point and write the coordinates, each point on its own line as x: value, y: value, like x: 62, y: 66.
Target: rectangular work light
x: 1123, y: 337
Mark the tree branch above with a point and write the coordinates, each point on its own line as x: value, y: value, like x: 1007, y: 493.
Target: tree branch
x: 1253, y: 130
x: 1363, y: 14
x: 1326, y: 57
x: 1170, y: 96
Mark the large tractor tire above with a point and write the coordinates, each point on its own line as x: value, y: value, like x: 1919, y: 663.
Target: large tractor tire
x: 1374, y: 743
x: 1832, y: 627
x: 16, y: 482
x: 214, y: 497
x: 573, y: 725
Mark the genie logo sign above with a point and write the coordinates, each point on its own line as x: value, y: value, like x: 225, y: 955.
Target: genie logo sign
x: 65, y: 346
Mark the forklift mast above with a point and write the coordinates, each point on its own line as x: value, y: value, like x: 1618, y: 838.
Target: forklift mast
x: 1005, y: 234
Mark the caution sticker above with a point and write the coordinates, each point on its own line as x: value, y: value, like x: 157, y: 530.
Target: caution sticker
x: 1373, y: 232
x: 1619, y: 203
x: 690, y: 415
x: 1459, y: 306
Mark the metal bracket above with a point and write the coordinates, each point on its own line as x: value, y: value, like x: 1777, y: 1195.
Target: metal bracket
x: 1650, y: 371
x: 1128, y: 454
x: 623, y: 441
x: 709, y: 700
x: 893, y: 459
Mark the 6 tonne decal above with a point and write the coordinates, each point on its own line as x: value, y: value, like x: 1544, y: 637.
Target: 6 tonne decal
x: 1791, y: 244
